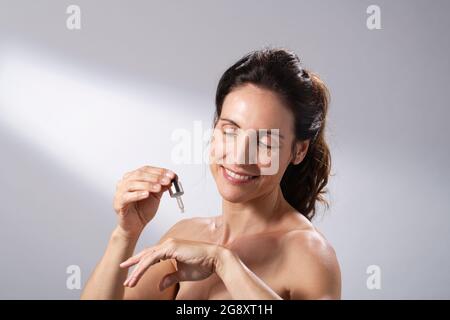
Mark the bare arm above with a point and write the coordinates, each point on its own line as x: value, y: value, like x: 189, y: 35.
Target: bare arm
x: 136, y: 202
x: 240, y: 281
x: 197, y: 260
x: 106, y: 282
x: 310, y: 271
x: 309, y: 268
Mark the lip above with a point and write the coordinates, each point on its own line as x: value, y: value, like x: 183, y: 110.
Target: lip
x: 234, y: 180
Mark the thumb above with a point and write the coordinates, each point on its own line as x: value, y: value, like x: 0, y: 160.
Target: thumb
x: 169, y: 280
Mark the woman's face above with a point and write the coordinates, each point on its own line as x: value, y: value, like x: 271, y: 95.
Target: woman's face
x: 245, y: 111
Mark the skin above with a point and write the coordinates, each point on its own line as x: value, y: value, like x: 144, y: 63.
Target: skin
x: 260, y: 247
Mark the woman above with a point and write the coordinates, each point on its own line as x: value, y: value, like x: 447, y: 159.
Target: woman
x: 263, y: 245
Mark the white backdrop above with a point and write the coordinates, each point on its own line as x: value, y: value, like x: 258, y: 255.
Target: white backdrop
x: 78, y: 108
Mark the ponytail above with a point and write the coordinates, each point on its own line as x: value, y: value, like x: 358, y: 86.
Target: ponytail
x: 304, y: 184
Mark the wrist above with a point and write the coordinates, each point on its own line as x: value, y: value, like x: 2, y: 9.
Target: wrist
x: 122, y: 235
x: 224, y: 257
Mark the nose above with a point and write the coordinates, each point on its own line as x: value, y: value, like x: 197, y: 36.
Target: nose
x: 245, y: 149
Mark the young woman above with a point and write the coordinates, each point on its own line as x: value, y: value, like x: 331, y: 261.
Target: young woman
x: 263, y: 244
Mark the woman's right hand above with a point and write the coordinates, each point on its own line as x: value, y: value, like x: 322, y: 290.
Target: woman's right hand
x: 137, y: 198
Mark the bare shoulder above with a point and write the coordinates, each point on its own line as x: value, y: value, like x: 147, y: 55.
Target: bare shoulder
x: 309, y: 243
x: 312, y: 265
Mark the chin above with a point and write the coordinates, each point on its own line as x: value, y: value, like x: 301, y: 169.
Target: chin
x: 231, y: 194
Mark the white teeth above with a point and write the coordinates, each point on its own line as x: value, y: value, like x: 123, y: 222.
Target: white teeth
x: 237, y: 176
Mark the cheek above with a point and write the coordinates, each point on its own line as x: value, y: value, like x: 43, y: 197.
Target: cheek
x: 273, y: 163
x: 213, y: 168
x: 268, y: 157
x: 216, y: 156
x: 219, y: 151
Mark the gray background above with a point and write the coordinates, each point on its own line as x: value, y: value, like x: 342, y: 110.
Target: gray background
x: 79, y: 108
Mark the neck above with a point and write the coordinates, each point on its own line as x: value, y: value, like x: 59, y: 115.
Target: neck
x: 251, y: 217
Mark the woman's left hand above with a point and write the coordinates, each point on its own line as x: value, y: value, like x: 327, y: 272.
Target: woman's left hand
x: 195, y: 261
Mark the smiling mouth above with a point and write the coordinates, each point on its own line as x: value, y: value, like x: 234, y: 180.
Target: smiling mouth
x: 236, y: 178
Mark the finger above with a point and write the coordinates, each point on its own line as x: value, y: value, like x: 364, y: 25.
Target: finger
x: 137, y: 257
x: 143, y: 176
x: 142, y: 186
x: 159, y: 171
x: 169, y: 280
x: 130, y: 277
x: 146, y: 177
x: 127, y: 174
x: 130, y: 262
x: 123, y: 185
x: 148, y: 172
x: 132, y: 274
x: 138, y: 271
x: 151, y: 176
x: 145, y: 263
x: 130, y: 197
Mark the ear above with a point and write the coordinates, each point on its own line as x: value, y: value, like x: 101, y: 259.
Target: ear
x: 300, y: 150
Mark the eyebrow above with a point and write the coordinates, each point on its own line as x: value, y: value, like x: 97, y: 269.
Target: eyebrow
x: 231, y: 121
x: 234, y: 123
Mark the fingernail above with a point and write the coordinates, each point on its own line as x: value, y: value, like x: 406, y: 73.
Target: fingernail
x: 169, y: 174
x: 165, y: 180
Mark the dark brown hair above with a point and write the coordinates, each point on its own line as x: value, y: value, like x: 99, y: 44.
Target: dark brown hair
x: 280, y: 71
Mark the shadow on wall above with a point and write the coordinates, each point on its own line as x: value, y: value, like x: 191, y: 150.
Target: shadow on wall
x: 36, y: 233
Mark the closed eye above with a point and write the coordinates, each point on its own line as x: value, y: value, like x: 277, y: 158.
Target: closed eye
x: 264, y: 145
x: 229, y: 132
